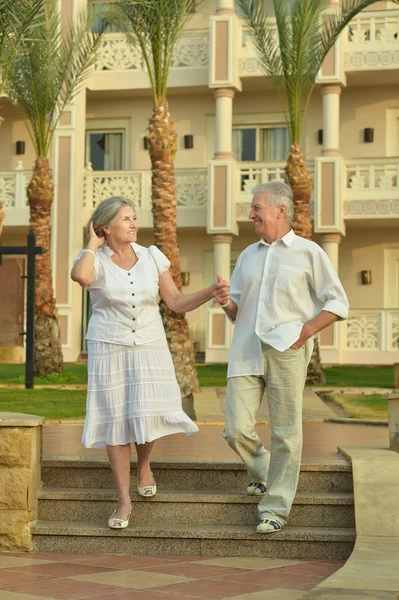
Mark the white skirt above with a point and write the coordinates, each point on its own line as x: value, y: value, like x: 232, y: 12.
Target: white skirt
x: 132, y: 395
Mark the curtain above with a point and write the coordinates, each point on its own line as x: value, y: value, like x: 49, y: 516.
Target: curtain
x: 274, y: 144
x: 113, y: 152
x: 238, y: 136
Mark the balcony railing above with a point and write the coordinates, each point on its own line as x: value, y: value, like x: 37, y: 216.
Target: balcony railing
x: 13, y: 186
x: 252, y: 173
x: 191, y: 187
x: 116, y: 54
x: 371, y: 187
x: 373, y: 41
x: 372, y: 329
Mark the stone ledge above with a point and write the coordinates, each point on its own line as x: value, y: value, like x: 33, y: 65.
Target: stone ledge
x: 20, y: 420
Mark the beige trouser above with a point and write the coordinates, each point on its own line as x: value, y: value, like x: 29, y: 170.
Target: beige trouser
x: 284, y: 379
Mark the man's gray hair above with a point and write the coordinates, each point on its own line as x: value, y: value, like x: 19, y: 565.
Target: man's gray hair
x: 278, y: 194
x: 105, y: 212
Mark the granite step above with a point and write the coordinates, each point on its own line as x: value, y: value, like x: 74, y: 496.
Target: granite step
x: 185, y: 507
x: 200, y: 476
x: 200, y: 540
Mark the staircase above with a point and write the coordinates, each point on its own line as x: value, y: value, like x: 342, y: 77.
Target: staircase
x: 200, y: 509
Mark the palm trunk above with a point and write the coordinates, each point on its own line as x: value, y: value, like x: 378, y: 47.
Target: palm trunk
x: 162, y: 142
x: 48, y: 354
x: 1, y: 204
x: 301, y: 185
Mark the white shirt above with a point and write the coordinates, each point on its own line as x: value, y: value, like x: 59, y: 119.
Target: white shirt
x: 278, y: 287
x: 124, y: 303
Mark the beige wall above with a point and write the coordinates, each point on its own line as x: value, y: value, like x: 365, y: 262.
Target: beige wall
x: 13, y: 129
x: 363, y: 249
x: 189, y: 111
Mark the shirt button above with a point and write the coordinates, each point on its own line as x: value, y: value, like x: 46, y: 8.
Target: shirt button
x: 133, y: 330
x: 131, y: 283
x: 133, y: 306
x: 128, y: 274
x: 134, y: 318
x: 133, y: 294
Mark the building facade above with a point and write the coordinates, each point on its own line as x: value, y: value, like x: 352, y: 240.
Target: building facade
x: 232, y: 135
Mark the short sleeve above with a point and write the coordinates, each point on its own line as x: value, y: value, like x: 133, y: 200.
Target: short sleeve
x: 162, y: 263
x: 96, y: 267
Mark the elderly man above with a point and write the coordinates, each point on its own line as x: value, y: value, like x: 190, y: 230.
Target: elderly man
x: 284, y: 290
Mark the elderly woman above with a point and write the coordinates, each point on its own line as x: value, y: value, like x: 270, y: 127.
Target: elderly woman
x: 132, y: 393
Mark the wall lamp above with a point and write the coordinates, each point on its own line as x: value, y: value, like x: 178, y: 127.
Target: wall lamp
x: 189, y: 141
x: 320, y: 136
x: 368, y: 135
x: 365, y: 277
x: 146, y: 143
x: 185, y: 278
x: 20, y: 148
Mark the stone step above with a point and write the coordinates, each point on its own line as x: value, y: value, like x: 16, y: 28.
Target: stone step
x: 201, y: 476
x: 199, y: 540
x: 328, y: 509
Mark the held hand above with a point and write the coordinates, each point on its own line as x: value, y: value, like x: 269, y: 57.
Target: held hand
x: 94, y: 240
x: 303, y: 338
x: 221, y: 290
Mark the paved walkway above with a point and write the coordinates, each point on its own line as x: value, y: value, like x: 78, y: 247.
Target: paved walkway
x: 50, y: 576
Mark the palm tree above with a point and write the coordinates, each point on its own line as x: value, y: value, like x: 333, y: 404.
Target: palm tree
x: 44, y: 77
x: 291, y: 58
x: 155, y: 26
x: 16, y: 19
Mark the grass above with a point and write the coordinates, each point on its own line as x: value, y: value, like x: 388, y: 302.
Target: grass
x: 51, y: 403
x: 212, y: 375
x: 362, y: 406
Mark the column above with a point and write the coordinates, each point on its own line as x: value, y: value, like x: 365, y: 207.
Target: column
x: 225, y: 7
x: 330, y: 244
x: 331, y: 98
x: 224, y: 123
x: 221, y: 253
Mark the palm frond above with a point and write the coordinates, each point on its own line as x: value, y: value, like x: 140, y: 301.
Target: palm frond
x: 155, y: 26
x: 306, y: 32
x: 49, y: 69
x: 17, y: 21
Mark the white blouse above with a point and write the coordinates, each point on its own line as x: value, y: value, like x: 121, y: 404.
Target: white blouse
x: 124, y: 303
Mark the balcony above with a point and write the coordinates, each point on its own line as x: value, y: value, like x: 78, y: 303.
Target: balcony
x: 191, y: 193
x: 371, y: 188
x: 372, y: 42
x: 252, y: 173
x: 116, y: 56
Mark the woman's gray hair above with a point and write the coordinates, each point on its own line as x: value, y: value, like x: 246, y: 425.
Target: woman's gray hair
x: 278, y: 194
x: 105, y: 212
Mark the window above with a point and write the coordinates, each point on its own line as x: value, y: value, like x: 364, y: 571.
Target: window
x: 106, y: 149
x: 260, y: 143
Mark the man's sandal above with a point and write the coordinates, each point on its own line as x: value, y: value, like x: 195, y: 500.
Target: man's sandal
x: 268, y: 526
x: 256, y: 489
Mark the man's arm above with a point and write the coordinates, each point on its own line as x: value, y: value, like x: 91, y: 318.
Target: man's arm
x: 330, y: 292
x: 319, y: 322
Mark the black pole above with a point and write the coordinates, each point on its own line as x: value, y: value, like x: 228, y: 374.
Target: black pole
x: 30, y: 311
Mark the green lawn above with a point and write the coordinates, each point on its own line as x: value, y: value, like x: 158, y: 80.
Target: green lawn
x: 361, y: 406
x: 215, y: 375
x: 51, y: 403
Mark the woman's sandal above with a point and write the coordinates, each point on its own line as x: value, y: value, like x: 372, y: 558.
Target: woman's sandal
x: 114, y: 523
x: 147, y: 491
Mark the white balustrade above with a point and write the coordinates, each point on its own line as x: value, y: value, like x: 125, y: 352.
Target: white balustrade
x: 13, y: 186
x: 252, y: 173
x: 191, y: 187
x: 117, y: 54
x: 371, y: 330
x: 374, y: 28
x: 371, y: 187
x: 372, y: 41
